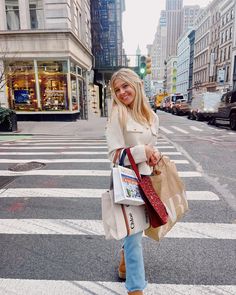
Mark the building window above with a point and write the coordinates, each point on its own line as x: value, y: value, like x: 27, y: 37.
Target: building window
x: 53, y: 85
x: 12, y: 14
x: 36, y: 14
x: 21, y: 87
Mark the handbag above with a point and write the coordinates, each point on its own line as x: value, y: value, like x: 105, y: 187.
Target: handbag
x: 171, y: 190
x: 121, y: 220
x: 155, y: 207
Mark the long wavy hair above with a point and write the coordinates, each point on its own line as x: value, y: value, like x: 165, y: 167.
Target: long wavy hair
x: 141, y: 111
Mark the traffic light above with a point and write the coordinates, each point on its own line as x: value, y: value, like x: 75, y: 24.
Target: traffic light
x: 142, y: 66
x: 148, y: 65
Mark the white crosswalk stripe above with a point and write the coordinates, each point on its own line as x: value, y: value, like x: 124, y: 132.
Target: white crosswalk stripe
x: 186, y: 230
x: 84, y: 193
x: 82, y: 173
x: 44, y: 287
x: 14, y: 225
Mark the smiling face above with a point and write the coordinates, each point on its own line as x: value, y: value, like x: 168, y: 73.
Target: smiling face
x: 124, y: 92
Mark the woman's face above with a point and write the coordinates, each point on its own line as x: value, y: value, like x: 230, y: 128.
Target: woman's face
x: 124, y: 92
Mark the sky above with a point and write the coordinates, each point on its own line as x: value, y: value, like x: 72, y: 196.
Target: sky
x: 140, y: 20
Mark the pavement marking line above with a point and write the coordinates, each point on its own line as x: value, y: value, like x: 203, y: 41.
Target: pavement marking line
x: 71, y: 153
x: 72, y: 161
x: 180, y: 130
x: 81, y: 173
x: 195, y: 128
x: 52, y: 147
x: 187, y: 230
x: 62, y: 140
x: 165, y: 147
x: 17, y: 144
x: 165, y: 130
x: 85, y: 193
x: 59, y: 287
x: 202, y: 196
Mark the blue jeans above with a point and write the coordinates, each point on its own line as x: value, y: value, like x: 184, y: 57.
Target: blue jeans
x: 135, y: 273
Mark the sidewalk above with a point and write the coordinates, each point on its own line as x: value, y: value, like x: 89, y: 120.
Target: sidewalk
x: 94, y: 127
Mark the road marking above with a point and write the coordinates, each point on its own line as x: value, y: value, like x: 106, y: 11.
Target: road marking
x: 59, y: 287
x: 70, y: 153
x: 52, y: 147
x: 85, y: 193
x: 165, y: 130
x: 180, y: 130
x: 201, y: 196
x: 11, y: 161
x: 186, y: 230
x: 39, y: 140
x: 165, y: 147
x: 195, y: 128
x: 50, y: 193
x: 52, y: 143
x: 80, y: 173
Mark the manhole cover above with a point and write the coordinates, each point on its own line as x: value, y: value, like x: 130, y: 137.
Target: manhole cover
x: 27, y: 166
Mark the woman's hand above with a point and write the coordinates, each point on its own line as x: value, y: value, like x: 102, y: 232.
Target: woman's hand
x: 152, y: 155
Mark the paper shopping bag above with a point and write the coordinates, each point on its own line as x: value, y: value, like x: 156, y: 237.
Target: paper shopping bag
x: 171, y: 190
x: 121, y: 220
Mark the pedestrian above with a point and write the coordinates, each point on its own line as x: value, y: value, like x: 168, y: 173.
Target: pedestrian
x: 133, y: 124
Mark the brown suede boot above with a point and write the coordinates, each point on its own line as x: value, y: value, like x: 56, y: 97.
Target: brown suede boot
x: 138, y: 292
x: 122, y: 269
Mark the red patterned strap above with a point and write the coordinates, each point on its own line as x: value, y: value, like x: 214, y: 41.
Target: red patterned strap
x: 133, y: 164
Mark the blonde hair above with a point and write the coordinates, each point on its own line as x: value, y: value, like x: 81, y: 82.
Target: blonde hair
x: 141, y: 110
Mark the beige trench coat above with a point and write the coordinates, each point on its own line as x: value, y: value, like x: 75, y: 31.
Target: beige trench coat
x: 133, y: 135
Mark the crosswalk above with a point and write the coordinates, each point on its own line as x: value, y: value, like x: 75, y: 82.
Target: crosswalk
x: 51, y: 235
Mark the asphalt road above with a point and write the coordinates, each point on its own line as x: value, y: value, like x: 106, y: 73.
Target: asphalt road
x: 51, y: 236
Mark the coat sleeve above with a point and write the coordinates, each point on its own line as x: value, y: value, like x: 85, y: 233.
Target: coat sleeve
x: 115, y: 140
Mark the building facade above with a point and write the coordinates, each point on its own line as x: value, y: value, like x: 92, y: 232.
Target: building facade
x: 47, y: 57
x: 174, y: 22
x: 107, y: 44
x: 233, y: 60
x: 183, y: 56
x: 190, y: 13
x: 224, y: 66
x: 171, y: 74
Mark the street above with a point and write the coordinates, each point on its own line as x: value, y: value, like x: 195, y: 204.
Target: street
x: 51, y: 233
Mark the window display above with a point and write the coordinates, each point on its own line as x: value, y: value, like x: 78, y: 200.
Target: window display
x: 53, y: 85
x: 21, y: 86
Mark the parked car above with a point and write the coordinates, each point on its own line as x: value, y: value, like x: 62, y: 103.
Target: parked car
x: 181, y: 107
x: 204, y: 105
x: 170, y: 101
x: 226, y: 112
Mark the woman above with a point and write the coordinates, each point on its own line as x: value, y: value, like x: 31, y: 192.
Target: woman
x: 132, y: 124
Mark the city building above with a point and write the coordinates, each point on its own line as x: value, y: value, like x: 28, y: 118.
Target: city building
x: 190, y: 13
x: 174, y: 23
x: 47, y: 58
x: 171, y: 74
x: 183, y: 59
x: 191, y: 37
x: 233, y: 59
x: 107, y: 44
x: 201, y: 51
x: 225, y: 45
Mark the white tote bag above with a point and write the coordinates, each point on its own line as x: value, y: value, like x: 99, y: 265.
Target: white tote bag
x: 121, y: 220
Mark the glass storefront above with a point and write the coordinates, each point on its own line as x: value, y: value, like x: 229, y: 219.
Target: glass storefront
x: 44, y: 86
x: 53, y: 85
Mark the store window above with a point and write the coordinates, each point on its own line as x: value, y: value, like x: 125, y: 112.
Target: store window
x: 53, y: 85
x: 21, y: 86
x: 12, y: 14
x: 36, y: 14
x: 74, y: 93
